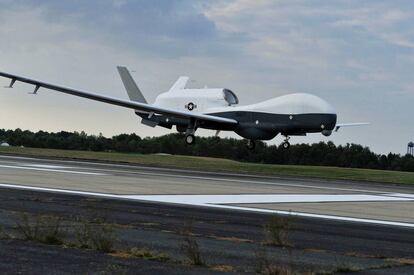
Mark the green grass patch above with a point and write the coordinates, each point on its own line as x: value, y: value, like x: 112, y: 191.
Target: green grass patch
x: 222, y: 165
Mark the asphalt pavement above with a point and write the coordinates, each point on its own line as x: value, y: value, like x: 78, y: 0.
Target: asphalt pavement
x: 333, y: 225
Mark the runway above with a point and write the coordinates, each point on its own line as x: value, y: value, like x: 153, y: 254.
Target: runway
x: 360, y: 226
x: 374, y: 203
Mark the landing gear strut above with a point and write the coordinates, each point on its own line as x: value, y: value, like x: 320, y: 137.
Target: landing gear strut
x: 286, y: 143
x: 250, y: 144
x: 189, y: 133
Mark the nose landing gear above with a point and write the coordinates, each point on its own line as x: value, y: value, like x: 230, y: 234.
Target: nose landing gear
x: 286, y: 143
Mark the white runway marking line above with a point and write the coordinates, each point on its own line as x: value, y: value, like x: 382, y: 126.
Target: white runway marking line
x: 398, y: 195
x: 51, y: 170
x: 47, y: 166
x: 320, y: 216
x: 176, y: 199
x: 268, y: 198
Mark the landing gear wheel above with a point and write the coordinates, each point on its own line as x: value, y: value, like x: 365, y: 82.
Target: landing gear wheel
x: 189, y: 139
x: 250, y: 144
x: 286, y: 145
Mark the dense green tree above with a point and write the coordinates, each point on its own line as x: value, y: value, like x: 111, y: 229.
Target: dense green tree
x: 322, y: 153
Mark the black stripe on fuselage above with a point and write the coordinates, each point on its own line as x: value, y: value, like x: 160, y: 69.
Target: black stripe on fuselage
x: 268, y: 122
x: 282, y: 122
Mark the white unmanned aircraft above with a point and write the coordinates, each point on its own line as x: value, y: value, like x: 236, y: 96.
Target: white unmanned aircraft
x: 217, y: 109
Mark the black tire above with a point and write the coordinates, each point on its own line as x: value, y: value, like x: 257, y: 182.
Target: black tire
x: 286, y: 145
x: 250, y: 144
x: 189, y: 139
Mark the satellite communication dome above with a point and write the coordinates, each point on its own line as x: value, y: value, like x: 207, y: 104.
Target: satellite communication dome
x: 5, y: 144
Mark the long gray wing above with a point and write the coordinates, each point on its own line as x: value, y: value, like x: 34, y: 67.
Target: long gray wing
x: 119, y: 102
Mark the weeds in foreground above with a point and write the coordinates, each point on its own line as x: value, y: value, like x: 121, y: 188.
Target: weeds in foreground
x: 265, y: 266
x: 103, y: 237
x: 98, y: 235
x: 3, y: 234
x: 277, y: 231
x: 43, y: 229
x: 190, y: 246
x: 83, y: 233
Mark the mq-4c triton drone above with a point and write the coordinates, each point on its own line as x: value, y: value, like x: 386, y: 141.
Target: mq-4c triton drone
x: 217, y: 109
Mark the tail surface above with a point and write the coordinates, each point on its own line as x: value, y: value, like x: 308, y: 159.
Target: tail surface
x: 131, y: 87
x: 180, y: 83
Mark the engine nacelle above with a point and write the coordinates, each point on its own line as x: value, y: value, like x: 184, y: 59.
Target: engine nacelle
x: 327, y: 133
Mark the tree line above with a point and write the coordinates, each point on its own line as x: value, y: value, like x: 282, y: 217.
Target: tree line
x: 322, y: 153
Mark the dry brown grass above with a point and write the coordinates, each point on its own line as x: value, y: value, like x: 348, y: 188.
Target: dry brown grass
x: 403, y: 261
x: 232, y: 239
x: 222, y: 268
x: 148, y: 254
x: 121, y: 254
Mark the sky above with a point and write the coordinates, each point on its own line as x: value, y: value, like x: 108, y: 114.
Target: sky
x: 357, y: 55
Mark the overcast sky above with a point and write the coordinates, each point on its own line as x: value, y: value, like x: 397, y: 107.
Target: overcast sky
x: 358, y: 55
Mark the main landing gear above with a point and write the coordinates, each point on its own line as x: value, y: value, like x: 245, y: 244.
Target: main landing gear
x: 286, y: 143
x: 250, y: 144
x: 189, y: 139
x: 189, y: 133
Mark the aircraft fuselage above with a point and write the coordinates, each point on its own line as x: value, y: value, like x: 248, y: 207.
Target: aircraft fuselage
x: 294, y: 114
